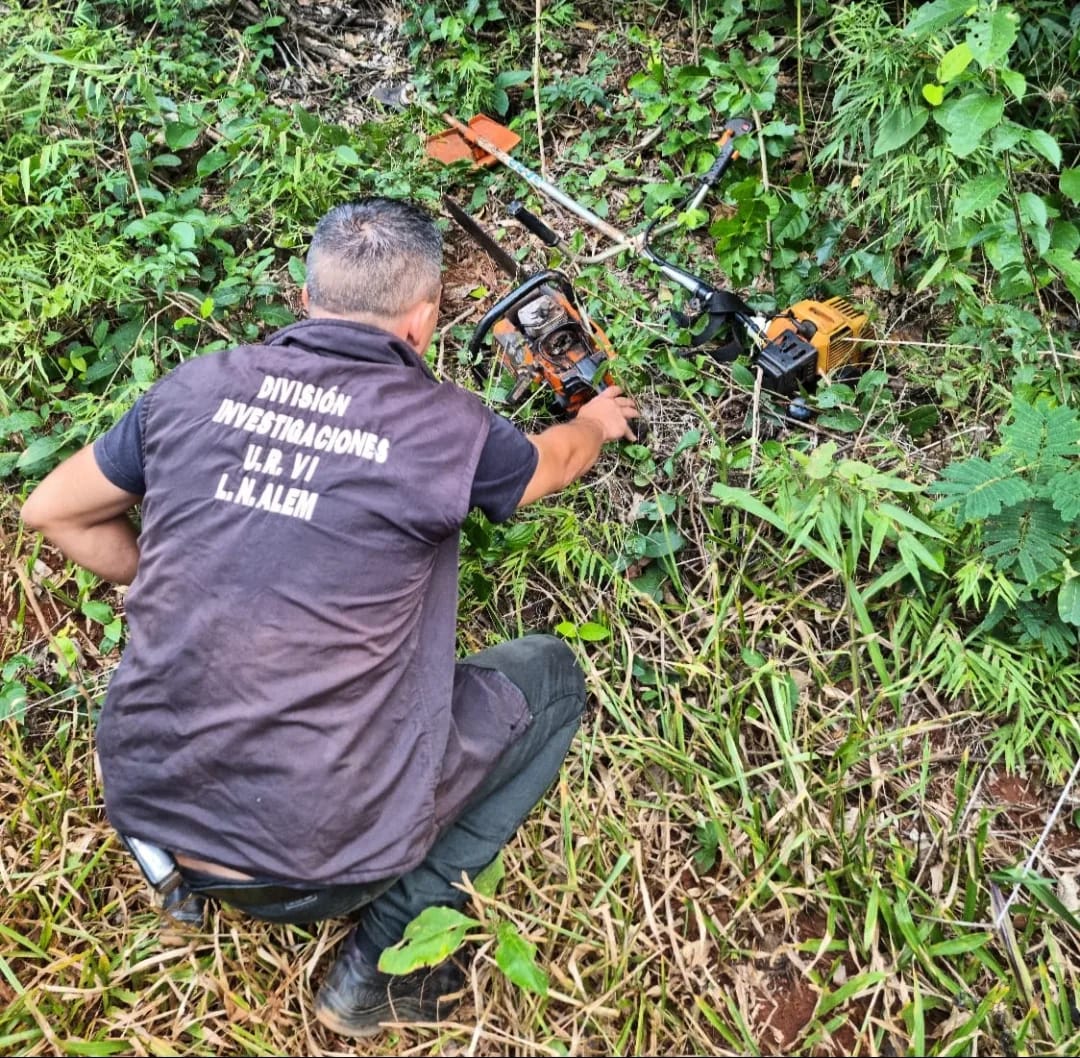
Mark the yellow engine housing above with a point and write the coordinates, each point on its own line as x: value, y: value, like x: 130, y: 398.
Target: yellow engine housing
x: 839, y: 328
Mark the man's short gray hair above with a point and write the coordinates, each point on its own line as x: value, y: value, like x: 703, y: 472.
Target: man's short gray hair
x: 378, y: 256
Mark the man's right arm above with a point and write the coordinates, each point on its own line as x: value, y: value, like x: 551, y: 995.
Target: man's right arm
x: 569, y: 450
x: 85, y: 516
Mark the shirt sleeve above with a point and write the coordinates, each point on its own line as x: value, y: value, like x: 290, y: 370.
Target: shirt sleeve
x: 507, y: 464
x: 119, y: 453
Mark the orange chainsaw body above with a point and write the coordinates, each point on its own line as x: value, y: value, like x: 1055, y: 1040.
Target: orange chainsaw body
x: 545, y: 341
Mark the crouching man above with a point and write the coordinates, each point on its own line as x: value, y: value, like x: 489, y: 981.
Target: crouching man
x: 289, y: 721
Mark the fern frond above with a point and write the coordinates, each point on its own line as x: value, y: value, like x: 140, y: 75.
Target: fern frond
x: 1064, y: 487
x: 1033, y: 538
x: 981, y: 487
x: 1039, y: 625
x: 1041, y: 434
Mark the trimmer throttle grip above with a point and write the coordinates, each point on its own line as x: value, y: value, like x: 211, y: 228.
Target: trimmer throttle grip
x: 735, y: 127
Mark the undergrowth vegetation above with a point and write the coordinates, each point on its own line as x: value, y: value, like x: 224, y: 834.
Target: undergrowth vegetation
x: 835, y: 662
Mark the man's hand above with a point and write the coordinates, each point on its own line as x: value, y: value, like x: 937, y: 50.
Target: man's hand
x: 613, y: 411
x: 570, y: 449
x: 84, y: 514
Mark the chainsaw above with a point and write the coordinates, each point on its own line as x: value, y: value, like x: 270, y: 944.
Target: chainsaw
x: 540, y: 334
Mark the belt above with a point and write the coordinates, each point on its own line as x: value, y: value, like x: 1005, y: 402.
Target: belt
x: 253, y: 896
x: 243, y: 894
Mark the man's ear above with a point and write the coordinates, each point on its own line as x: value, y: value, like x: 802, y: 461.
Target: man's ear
x: 305, y: 298
x: 419, y: 324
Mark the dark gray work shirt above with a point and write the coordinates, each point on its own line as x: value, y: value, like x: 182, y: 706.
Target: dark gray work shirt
x: 283, y: 705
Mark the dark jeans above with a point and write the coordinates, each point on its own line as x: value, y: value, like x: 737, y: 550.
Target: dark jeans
x: 547, y: 673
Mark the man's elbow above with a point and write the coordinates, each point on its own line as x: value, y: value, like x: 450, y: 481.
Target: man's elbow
x: 40, y: 514
x: 34, y: 513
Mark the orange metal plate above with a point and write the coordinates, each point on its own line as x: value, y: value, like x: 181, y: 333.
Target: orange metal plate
x: 451, y: 146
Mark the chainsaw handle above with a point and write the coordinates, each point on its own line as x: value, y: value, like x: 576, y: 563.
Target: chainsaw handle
x: 512, y: 300
x: 533, y: 223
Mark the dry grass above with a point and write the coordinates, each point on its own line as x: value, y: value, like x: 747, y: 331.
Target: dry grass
x: 844, y: 911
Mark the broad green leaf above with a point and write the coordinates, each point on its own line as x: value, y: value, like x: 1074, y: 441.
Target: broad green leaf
x: 1069, y: 601
x: 1070, y: 184
x: 688, y: 440
x: 662, y: 506
x: 659, y: 544
x: 899, y: 126
x: 968, y: 119
x: 346, y: 155
x: 297, y: 271
x: 8, y: 462
x: 566, y: 629
x: 212, y: 161
x: 488, y: 880
x: 183, y: 235
x: 978, y: 195
x: 693, y: 79
x: 1045, y: 144
x: 753, y: 658
x: 651, y: 582
x: 953, y: 63
x: 991, y: 35
x: 13, y: 701
x: 510, y: 78
x: 143, y: 369
x: 101, y: 612
x: 933, y: 94
x: 433, y: 936
x: 928, y: 18
x: 140, y: 228
x: 19, y: 422
x: 592, y: 632
x: 843, y: 421
x: 1068, y: 266
x: 516, y: 957
x: 1006, y: 135
x: 920, y: 419
x: 1033, y: 209
x: 820, y: 464
x: 1014, y: 82
x: 1065, y: 236
x: 309, y: 123
x: 180, y: 136
x: 38, y: 451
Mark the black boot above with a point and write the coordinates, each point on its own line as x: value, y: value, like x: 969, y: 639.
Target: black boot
x: 356, y: 998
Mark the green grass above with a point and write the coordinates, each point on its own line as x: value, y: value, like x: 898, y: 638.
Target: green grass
x: 805, y: 768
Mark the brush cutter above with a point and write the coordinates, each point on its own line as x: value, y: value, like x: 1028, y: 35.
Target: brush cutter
x: 792, y: 349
